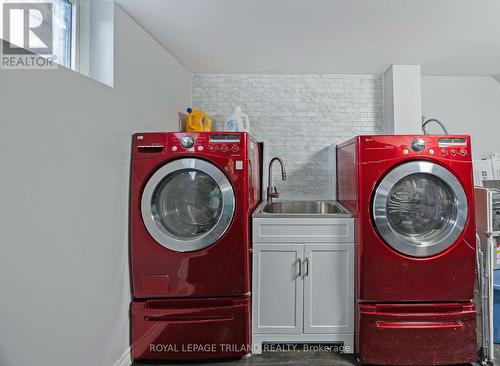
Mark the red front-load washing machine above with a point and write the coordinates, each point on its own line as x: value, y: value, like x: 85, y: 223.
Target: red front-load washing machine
x: 412, y: 197
x: 192, y: 195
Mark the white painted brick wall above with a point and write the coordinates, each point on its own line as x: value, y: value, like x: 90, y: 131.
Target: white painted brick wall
x: 298, y: 117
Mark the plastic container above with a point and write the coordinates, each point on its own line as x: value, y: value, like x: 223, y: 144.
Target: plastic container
x: 237, y: 121
x: 198, y: 121
x: 496, y: 306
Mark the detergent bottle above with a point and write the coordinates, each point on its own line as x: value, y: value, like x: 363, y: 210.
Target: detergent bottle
x: 198, y: 121
x: 237, y: 121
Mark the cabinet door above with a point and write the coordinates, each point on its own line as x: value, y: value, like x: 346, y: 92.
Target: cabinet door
x: 277, y: 288
x: 328, y: 288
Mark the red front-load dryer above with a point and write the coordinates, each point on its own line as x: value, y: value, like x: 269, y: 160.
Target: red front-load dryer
x: 412, y: 197
x: 192, y: 195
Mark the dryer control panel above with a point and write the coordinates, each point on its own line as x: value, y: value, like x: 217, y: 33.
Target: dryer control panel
x: 452, y: 147
x: 376, y: 148
x: 446, y: 146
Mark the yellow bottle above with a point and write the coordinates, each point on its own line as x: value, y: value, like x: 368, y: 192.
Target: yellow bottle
x: 198, y: 121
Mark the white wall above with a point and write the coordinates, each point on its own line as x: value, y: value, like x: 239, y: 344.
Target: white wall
x: 467, y: 105
x: 64, y: 164
x: 298, y: 117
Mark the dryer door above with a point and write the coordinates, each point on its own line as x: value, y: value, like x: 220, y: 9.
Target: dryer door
x: 419, y: 208
x: 187, y: 205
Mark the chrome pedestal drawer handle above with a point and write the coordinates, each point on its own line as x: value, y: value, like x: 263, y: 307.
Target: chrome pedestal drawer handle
x: 418, y: 325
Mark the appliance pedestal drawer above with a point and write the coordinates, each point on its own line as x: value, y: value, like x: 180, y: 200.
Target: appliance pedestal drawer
x: 416, y: 334
x: 191, y: 328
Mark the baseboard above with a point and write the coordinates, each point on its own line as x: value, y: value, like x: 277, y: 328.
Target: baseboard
x: 125, y: 359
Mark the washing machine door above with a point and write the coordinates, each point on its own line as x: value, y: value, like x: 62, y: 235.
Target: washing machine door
x: 187, y: 205
x: 419, y: 208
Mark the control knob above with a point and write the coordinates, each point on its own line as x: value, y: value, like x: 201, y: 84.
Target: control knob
x: 418, y: 145
x: 187, y: 142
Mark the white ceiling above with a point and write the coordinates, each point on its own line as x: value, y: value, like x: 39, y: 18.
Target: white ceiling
x: 447, y: 37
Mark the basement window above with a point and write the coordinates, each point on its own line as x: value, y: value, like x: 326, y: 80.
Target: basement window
x: 63, y: 20
x: 82, y: 33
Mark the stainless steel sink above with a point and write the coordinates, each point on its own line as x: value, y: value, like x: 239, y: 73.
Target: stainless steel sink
x: 297, y: 208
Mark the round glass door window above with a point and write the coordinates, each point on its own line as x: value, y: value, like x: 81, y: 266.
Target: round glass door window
x: 420, y: 208
x: 187, y: 205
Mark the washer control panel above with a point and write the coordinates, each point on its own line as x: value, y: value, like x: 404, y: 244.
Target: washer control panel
x: 215, y: 143
x: 149, y: 144
x: 224, y: 143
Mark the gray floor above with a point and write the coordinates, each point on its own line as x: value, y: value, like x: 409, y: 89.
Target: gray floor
x: 291, y: 358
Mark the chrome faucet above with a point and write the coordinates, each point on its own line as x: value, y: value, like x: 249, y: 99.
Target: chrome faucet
x: 272, y: 192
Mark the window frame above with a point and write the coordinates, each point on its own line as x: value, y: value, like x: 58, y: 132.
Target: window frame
x: 81, y: 36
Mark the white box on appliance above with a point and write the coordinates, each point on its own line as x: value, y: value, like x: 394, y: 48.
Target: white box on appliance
x: 483, y: 170
x: 495, y: 164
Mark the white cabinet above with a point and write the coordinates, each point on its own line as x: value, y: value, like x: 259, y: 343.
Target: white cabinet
x: 328, y: 288
x: 303, y: 291
x: 279, y: 298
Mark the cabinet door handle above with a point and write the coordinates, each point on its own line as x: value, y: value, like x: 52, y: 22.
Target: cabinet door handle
x: 306, y: 266
x: 299, y: 264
